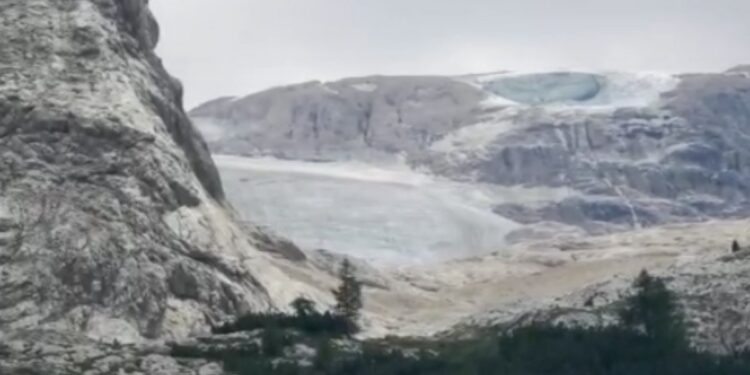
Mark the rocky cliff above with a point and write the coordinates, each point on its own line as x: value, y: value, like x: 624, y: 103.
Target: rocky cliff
x: 358, y: 118
x: 112, y: 215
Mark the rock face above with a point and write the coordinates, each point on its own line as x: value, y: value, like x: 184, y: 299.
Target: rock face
x: 361, y: 118
x: 112, y: 219
x: 631, y: 150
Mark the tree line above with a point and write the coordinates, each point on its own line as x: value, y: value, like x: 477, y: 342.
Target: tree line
x: 650, y: 338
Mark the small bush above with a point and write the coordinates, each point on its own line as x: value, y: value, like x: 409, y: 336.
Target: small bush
x: 184, y: 351
x: 273, y: 341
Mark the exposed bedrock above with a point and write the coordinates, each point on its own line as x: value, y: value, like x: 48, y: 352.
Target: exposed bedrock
x: 112, y: 220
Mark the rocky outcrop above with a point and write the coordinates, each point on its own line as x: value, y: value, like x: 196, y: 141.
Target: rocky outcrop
x: 710, y: 292
x: 362, y: 118
x: 112, y: 220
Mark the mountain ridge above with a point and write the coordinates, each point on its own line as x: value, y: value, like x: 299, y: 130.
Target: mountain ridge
x: 638, y: 148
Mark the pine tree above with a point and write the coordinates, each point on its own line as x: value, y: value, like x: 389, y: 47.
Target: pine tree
x: 654, y: 310
x: 303, y: 307
x: 272, y: 342
x: 348, y: 296
x: 324, y: 356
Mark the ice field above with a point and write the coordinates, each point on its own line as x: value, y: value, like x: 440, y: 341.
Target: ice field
x: 382, y: 215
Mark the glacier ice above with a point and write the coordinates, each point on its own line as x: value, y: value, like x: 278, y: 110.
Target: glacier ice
x: 576, y: 89
x: 384, y: 218
x: 546, y: 88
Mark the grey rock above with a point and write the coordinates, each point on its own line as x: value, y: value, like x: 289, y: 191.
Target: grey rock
x: 52, y: 353
x: 601, y: 214
x: 211, y: 369
x: 740, y: 69
x: 710, y: 292
x: 370, y: 118
x: 112, y: 216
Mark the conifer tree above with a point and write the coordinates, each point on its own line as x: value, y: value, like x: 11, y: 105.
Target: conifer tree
x: 348, y: 295
x: 303, y: 307
x: 654, y: 310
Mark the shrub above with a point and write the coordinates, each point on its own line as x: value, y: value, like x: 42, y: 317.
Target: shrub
x: 312, y: 324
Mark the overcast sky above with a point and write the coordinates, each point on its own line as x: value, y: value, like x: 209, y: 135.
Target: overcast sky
x: 236, y: 47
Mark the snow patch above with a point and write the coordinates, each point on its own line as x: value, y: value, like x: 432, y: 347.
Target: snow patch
x: 330, y: 90
x: 473, y: 137
x: 366, y: 87
x: 4, y: 208
x: 108, y: 330
x: 640, y: 89
x: 394, y: 173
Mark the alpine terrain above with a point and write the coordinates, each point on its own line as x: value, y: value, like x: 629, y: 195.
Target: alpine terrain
x: 113, y: 222
x: 344, y: 227
x: 505, y: 196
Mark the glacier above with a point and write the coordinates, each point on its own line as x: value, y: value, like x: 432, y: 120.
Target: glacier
x: 579, y: 90
x: 547, y: 88
x: 385, y: 216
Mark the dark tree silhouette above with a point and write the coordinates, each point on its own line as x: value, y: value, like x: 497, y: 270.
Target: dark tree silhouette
x: 653, y: 309
x: 348, y: 295
x: 303, y: 307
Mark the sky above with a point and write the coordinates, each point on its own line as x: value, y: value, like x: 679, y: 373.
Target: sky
x: 238, y: 47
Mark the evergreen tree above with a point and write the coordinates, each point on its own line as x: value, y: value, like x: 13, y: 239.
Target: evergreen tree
x: 653, y: 309
x: 348, y: 295
x: 325, y: 356
x: 735, y: 246
x: 272, y: 342
x: 303, y: 307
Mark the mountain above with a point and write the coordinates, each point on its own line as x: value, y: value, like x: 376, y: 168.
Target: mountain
x: 616, y: 150
x: 117, y: 240
x: 594, y: 175
x: 113, y: 221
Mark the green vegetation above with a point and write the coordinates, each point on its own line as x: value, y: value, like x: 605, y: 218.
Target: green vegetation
x: 653, y: 311
x: 313, y: 323
x: 342, y: 322
x: 348, y: 296
x: 650, y: 340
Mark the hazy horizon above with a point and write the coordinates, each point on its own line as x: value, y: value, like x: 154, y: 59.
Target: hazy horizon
x: 237, y: 47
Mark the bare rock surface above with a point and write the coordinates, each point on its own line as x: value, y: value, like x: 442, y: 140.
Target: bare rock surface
x: 113, y: 223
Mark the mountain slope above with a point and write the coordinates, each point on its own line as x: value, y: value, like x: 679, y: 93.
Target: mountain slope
x: 632, y: 149
x: 573, y: 158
